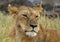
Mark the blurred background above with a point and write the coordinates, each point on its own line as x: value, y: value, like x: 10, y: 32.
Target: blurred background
x: 50, y: 16
x: 51, y: 7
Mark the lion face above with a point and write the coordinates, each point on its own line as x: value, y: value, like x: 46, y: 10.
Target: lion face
x: 27, y: 21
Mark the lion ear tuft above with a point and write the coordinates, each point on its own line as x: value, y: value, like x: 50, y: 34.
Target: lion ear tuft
x: 12, y: 9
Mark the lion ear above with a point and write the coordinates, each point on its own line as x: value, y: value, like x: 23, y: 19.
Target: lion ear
x: 13, y: 10
x: 39, y: 8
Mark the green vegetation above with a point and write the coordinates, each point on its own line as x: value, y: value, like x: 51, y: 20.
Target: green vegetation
x: 6, y: 22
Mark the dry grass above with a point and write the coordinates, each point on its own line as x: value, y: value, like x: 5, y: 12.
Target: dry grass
x: 6, y: 22
x: 53, y: 23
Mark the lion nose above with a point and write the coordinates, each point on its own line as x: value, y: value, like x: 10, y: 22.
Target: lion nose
x: 33, y: 26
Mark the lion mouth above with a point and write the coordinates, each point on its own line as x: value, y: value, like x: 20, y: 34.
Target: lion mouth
x: 31, y: 33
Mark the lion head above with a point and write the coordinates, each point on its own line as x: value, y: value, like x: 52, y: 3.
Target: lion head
x: 26, y: 19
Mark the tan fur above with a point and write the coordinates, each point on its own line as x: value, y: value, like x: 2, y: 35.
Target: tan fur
x: 22, y: 31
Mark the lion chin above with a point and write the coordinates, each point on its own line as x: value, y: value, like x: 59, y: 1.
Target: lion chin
x: 31, y: 34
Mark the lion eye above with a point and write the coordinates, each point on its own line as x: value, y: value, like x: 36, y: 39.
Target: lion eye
x: 36, y: 16
x: 24, y: 15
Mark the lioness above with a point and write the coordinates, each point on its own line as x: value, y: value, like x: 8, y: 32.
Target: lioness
x: 27, y: 27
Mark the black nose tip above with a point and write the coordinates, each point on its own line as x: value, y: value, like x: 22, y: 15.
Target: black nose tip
x: 33, y: 26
